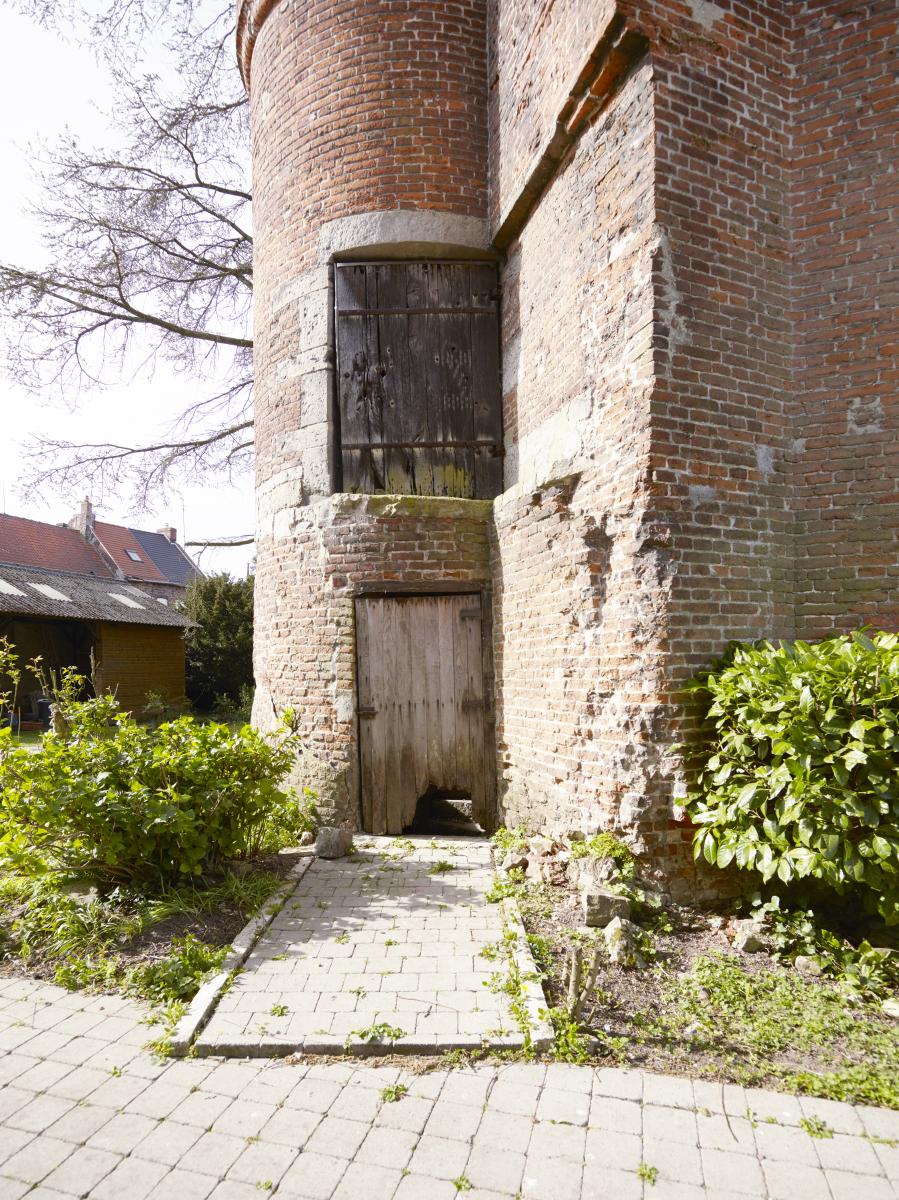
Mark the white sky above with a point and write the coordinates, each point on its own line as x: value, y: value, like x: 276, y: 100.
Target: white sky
x: 47, y: 85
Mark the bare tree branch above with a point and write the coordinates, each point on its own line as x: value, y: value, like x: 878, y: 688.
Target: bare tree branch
x: 148, y: 250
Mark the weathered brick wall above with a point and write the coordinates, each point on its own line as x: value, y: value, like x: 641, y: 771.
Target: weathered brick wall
x: 135, y: 659
x: 690, y: 200
x: 846, y: 316
x: 580, y: 591
x: 337, y: 549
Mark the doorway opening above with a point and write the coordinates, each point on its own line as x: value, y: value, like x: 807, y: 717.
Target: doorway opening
x: 441, y: 812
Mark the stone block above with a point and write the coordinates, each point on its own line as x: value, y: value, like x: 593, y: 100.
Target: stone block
x: 600, y: 906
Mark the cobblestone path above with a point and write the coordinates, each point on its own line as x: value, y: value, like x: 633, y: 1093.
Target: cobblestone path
x: 389, y: 937
x: 85, y: 1111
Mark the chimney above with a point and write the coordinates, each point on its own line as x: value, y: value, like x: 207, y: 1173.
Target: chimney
x: 83, y: 520
x: 169, y: 532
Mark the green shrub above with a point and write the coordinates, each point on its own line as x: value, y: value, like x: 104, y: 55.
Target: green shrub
x: 120, y: 804
x: 803, y: 776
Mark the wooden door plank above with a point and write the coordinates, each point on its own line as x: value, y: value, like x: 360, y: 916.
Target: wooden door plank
x: 444, y: 731
x: 474, y: 693
x: 421, y: 637
x: 486, y: 381
x: 401, y: 414
x: 427, y: 632
x: 460, y: 674
x: 364, y: 700
x: 455, y: 376
x: 407, y: 793
x: 418, y: 295
x: 381, y: 722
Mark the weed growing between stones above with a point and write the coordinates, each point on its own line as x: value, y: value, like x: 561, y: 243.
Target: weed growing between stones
x: 394, y: 1092
x: 700, y: 1006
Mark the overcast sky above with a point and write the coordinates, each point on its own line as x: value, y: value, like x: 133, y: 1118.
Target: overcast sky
x: 46, y: 86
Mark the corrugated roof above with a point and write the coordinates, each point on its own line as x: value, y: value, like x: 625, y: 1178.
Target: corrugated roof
x: 54, y: 547
x: 30, y: 592
x: 168, y: 556
x: 117, y: 541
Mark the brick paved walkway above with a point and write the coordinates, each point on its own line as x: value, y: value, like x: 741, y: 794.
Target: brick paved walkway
x: 389, y: 936
x: 84, y: 1111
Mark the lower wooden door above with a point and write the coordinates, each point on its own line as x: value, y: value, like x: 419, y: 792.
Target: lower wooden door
x: 422, y: 708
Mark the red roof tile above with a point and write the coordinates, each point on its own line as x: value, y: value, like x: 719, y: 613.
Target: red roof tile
x: 116, y: 541
x: 53, y: 547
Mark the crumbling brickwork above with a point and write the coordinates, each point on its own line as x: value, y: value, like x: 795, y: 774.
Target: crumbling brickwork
x: 689, y: 202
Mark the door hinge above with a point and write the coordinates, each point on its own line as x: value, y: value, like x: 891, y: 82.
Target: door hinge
x: 470, y: 614
x: 366, y: 712
x: 469, y: 705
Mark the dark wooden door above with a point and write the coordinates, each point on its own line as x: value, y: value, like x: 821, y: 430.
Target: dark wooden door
x: 422, y: 708
x: 418, y: 374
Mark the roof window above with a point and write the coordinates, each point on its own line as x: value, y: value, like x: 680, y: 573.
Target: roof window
x: 134, y: 556
x: 8, y: 590
x: 124, y: 600
x: 50, y: 592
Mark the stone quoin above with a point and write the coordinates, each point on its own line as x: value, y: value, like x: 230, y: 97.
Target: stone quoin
x: 675, y: 214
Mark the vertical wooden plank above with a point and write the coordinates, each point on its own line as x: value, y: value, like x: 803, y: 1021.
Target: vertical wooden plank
x: 401, y: 412
x: 453, y: 293
x: 352, y: 377
x: 418, y: 295
x: 460, y: 674
x: 427, y: 632
x: 445, y: 724
x: 364, y: 699
x: 424, y: 693
x: 486, y: 381
x: 474, y: 692
x: 381, y: 690
x: 402, y: 805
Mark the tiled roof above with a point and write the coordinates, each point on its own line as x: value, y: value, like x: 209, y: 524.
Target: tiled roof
x: 117, y: 541
x: 168, y: 557
x: 30, y: 592
x: 37, y: 544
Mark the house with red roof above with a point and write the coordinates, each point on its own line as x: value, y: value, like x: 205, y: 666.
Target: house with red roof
x: 100, y: 597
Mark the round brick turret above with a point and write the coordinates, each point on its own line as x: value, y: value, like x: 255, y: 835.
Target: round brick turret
x: 369, y: 137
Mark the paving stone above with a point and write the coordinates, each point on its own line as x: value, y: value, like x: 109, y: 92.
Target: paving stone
x: 670, y: 1124
x: 847, y: 1185
x: 420, y: 1187
x: 261, y: 1161
x: 848, y: 1154
x: 37, y: 1159
x: 372, y: 1182
x: 559, y: 1178
x: 183, y: 1185
x: 439, y: 1157
x: 785, y: 1143
x: 313, y: 1176
x: 558, y: 1105
x: 675, y: 1160
x: 609, y: 1149
x: 214, y: 1153
x: 133, y: 1179
x: 168, y: 1143
x: 80, y: 1173
x: 724, y: 1170
x: 495, y: 1168
x: 451, y: 1120
x: 336, y: 1133
x: 602, y: 1183
x: 795, y: 1181
x: 549, y: 1140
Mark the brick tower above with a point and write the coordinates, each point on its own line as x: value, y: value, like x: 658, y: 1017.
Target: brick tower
x: 573, y: 363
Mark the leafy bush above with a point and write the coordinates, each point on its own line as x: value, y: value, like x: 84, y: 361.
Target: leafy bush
x: 803, y: 778
x: 120, y: 804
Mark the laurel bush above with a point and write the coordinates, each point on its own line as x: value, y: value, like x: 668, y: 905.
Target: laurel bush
x: 802, y: 776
